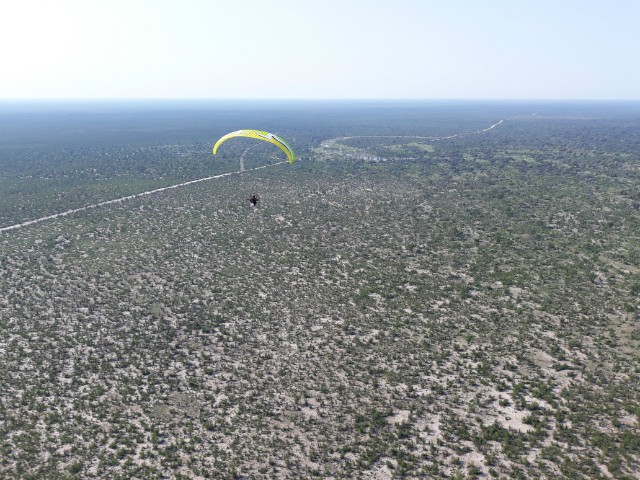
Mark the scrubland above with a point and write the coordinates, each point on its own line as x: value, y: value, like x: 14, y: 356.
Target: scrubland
x: 392, y: 308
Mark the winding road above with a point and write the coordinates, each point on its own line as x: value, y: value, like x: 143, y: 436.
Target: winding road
x: 331, y: 143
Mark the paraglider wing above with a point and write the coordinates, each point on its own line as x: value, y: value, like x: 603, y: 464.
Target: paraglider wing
x: 259, y: 135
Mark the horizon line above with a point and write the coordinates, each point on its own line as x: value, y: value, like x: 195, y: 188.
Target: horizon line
x: 307, y: 99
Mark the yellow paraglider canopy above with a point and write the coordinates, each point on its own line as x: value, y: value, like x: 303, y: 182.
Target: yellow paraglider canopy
x: 259, y: 135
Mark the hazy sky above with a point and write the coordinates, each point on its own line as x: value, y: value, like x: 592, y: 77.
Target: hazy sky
x: 431, y: 49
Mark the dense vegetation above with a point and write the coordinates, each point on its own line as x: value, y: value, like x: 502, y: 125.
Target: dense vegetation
x: 398, y: 305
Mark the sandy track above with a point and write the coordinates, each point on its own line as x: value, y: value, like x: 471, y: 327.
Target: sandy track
x: 333, y: 141
x: 129, y: 197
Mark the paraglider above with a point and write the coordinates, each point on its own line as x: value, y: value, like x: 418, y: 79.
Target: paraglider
x: 260, y: 135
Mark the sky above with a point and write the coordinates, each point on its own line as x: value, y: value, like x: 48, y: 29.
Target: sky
x: 320, y: 49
